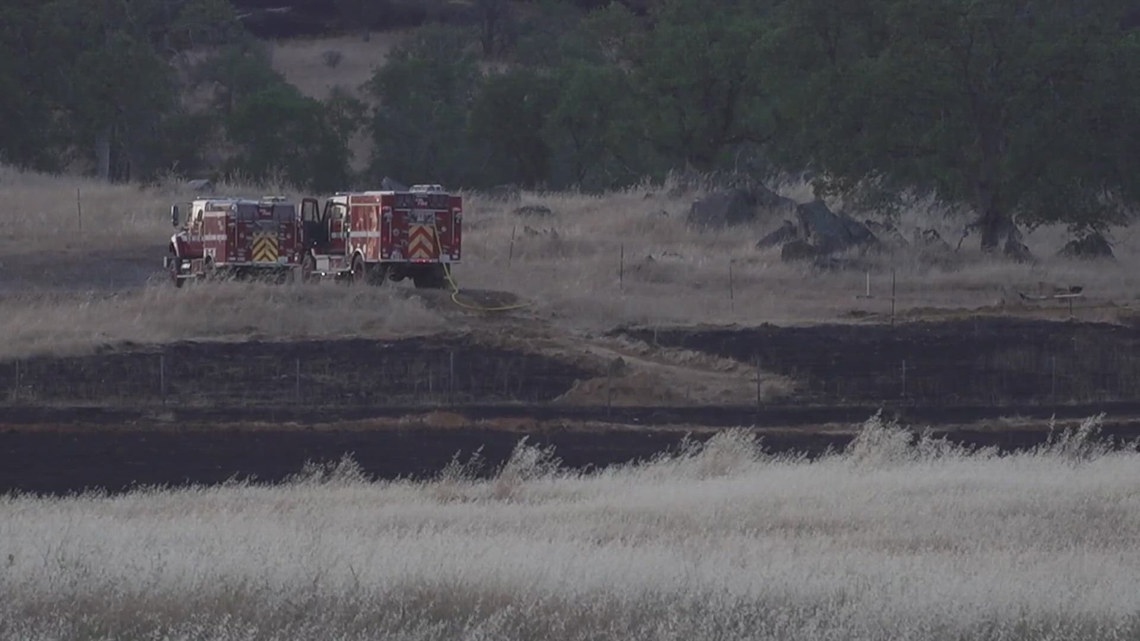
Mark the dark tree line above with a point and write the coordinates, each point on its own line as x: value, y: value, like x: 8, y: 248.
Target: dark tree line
x: 1023, y: 111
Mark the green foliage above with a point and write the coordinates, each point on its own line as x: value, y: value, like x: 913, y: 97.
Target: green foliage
x: 281, y: 132
x: 1006, y: 107
x: 95, y: 82
x: 588, y: 127
x: 1022, y: 112
x: 698, y: 81
x: 423, y: 97
x: 508, y: 119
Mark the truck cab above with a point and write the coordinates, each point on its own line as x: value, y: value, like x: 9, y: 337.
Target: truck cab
x: 235, y: 237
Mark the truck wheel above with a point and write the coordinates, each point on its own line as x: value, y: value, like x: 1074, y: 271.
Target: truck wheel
x: 430, y: 277
x: 175, y: 268
x: 359, y: 272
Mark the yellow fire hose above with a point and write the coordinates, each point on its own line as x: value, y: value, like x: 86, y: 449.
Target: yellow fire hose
x: 455, y: 287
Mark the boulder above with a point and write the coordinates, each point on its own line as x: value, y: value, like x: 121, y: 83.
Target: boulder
x: 1091, y: 246
x: 887, y: 233
x: 798, y: 250
x: 930, y: 239
x: 831, y: 232
x: 535, y: 211
x: 722, y: 209
x: 767, y: 199
x: 785, y: 233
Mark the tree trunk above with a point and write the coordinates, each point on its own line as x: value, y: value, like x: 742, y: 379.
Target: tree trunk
x: 993, y: 219
x: 995, y: 226
x: 103, y: 153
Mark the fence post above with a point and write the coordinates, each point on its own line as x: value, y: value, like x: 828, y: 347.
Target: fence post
x: 759, y: 397
x: 162, y: 377
x: 904, y: 378
x: 1053, y: 386
x: 892, y: 297
x: 731, y: 288
x: 297, y: 380
x: 609, y: 390
x: 79, y: 210
x: 621, y: 267
x: 511, y: 251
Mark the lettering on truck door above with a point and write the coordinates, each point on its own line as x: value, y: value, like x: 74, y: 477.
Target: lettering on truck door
x: 365, y: 219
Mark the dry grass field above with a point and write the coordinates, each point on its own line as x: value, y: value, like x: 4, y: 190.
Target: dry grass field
x: 886, y: 540
x: 895, y: 537
x: 595, y: 263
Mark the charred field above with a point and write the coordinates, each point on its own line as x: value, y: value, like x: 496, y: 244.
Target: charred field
x: 204, y: 412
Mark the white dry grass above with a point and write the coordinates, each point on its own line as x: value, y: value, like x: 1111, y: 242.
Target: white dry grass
x: 888, y: 540
x: 76, y: 324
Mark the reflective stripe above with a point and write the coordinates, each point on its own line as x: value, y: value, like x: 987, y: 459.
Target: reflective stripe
x: 213, y: 237
x: 365, y: 234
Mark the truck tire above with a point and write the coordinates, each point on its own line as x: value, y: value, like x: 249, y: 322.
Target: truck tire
x: 430, y: 277
x: 359, y: 272
x: 175, y: 268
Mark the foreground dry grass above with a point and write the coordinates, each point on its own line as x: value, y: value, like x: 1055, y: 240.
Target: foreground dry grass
x: 885, y: 541
x: 595, y: 262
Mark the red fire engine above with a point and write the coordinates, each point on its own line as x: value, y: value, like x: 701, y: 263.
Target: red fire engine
x: 373, y: 236
x: 235, y: 237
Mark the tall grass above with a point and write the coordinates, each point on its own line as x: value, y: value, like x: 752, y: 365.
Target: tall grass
x: 59, y: 215
x: 597, y: 261
x: 897, y: 538
x: 630, y: 257
x: 67, y: 323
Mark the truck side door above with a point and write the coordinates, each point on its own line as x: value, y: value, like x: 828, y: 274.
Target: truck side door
x: 195, y: 229
x: 337, y: 216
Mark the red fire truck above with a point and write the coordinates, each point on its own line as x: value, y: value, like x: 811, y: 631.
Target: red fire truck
x: 373, y: 236
x: 238, y: 237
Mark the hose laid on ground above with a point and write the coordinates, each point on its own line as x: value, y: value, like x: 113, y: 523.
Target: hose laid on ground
x: 455, y: 286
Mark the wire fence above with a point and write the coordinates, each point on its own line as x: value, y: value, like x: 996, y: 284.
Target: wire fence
x: 363, y: 375
x: 827, y: 366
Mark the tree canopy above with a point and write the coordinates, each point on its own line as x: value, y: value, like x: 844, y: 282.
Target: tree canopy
x: 1023, y: 112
